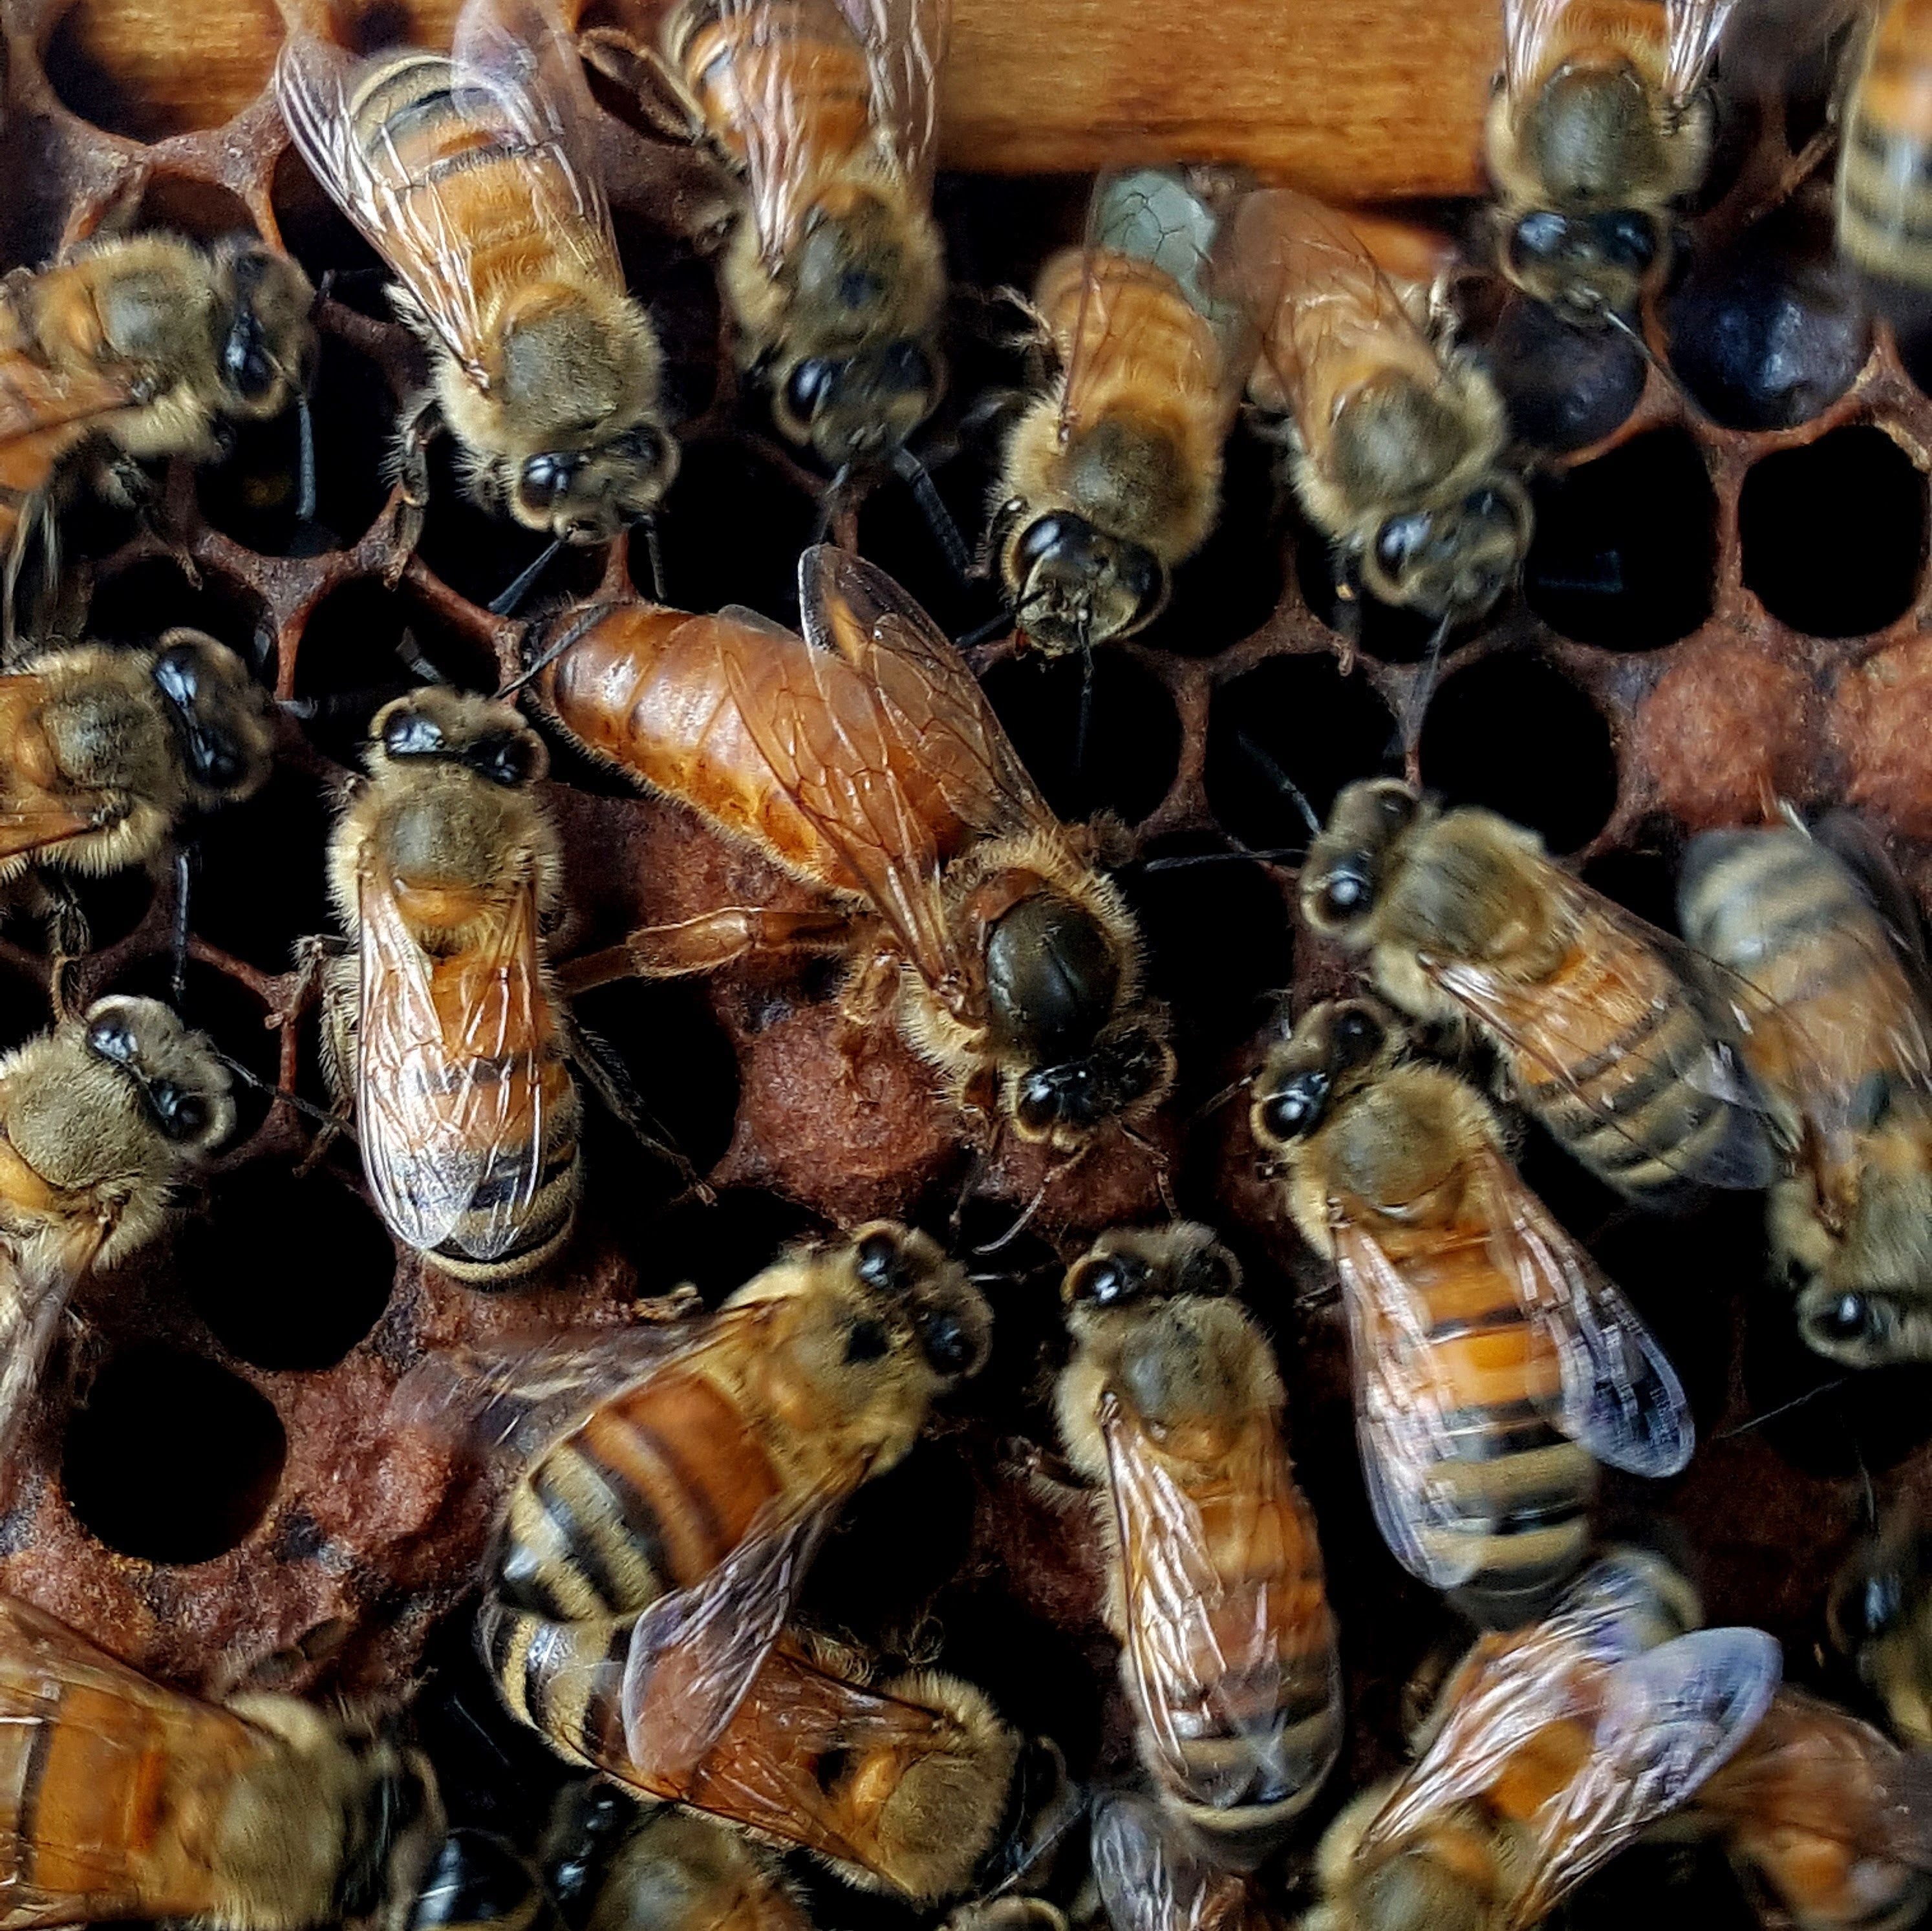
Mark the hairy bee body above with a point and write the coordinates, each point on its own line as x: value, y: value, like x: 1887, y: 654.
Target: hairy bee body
x: 441, y: 1022
x: 1172, y: 1407
x: 1884, y: 199
x: 120, y: 1798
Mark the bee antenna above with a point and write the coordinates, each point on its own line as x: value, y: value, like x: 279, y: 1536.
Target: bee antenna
x: 1783, y: 1408
x: 1023, y: 1220
x: 1277, y: 776
x: 249, y: 1077
x: 1209, y: 1108
x: 414, y: 661
x: 305, y: 460
x: 932, y: 507
x: 1252, y: 855
x: 828, y: 503
x: 1086, y: 716
x: 654, y: 555
x: 1425, y: 685
x: 591, y: 614
x: 504, y: 603
x: 1636, y: 335
x: 178, y: 926
x: 995, y: 626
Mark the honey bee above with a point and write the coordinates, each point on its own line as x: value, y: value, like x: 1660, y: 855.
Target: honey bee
x: 1112, y: 476
x: 104, y: 751
x: 1398, y: 440
x: 140, y: 347
x: 1880, y: 1619
x: 1549, y: 1751
x: 125, y: 1799
x: 652, y: 1553
x: 441, y: 1023
x: 1604, y: 1028
x: 473, y: 176
x: 1149, y: 1878
x: 1494, y: 1365
x: 1172, y: 1407
x: 476, y: 1879
x: 1885, y: 210
x: 1601, y: 122
x: 1823, y: 932
x: 837, y: 281
x: 100, y: 1120
x: 864, y: 759
x: 613, y: 1864
x: 1825, y: 1821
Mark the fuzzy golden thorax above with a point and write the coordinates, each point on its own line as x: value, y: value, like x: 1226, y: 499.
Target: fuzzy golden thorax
x: 678, y: 1870
x: 568, y: 437
x: 447, y: 818
x: 102, y: 1119
x: 861, y: 1337
x: 1451, y: 1875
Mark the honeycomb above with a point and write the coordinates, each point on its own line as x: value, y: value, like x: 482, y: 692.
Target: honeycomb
x: 1724, y: 608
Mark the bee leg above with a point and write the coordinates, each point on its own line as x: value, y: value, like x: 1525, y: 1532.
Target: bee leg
x: 69, y: 939
x: 410, y: 459
x: 707, y: 944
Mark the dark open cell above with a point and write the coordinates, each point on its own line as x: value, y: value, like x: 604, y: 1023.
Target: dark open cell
x: 1769, y: 334
x: 1296, y: 719
x: 679, y: 292
x: 1565, y: 387
x: 321, y: 237
x: 718, y: 1246
x: 202, y: 210
x: 1834, y: 534
x: 136, y: 605
x: 1132, y: 737
x: 1513, y: 733
x: 1229, y: 587
x: 1683, y: 1886
x: 732, y: 528
x: 104, y: 72
x: 253, y: 495
x: 1218, y: 938
x: 325, y: 1288
x: 171, y: 1459
x: 1384, y: 632
x: 666, y: 1042
x: 1642, y: 881
x: 1626, y: 546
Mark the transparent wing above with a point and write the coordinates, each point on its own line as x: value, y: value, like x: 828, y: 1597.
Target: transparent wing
x: 905, y: 42
x: 1402, y: 1415
x: 1318, y: 299
x: 1167, y: 230
x: 33, y: 1291
x: 1669, y: 1720
x: 1204, y: 1654
x: 1151, y: 1878
x: 37, y: 401
x: 451, y: 1103
x: 1692, y: 30
x: 1622, y: 1399
x: 1528, y: 27
x: 1637, y: 974
x: 522, y: 93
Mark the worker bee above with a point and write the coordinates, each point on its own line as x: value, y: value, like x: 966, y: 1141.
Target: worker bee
x: 1880, y: 1618
x: 100, y: 1121
x: 652, y: 1550
x: 1600, y: 123
x: 473, y: 176
x: 613, y: 1864
x: 1494, y: 1365
x: 837, y: 280
x: 441, y: 1023
x: 125, y: 1799
x: 1603, y: 1024
x: 104, y: 751
x: 1397, y: 440
x: 139, y: 347
x: 1825, y: 1821
x: 1149, y: 1877
x: 1885, y: 208
x: 1548, y: 1751
x: 864, y: 759
x: 1172, y: 1407
x: 1112, y: 477
x: 1824, y: 934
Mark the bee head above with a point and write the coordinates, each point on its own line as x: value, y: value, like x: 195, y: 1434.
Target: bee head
x: 857, y: 411
x: 1071, y: 585
x: 183, y: 1088
x: 587, y: 495
x: 266, y: 342
x: 1347, y: 862
x: 1453, y: 560
x: 1586, y: 267
x: 1127, y: 1264
x: 906, y: 1276
x: 439, y: 725
x: 222, y: 719
x: 1337, y: 1045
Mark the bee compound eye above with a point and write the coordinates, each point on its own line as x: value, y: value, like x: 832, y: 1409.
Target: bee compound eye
x: 547, y: 479
x: 1106, y: 1280
x: 949, y: 1348
x: 111, y: 1037
x: 1358, y: 1036
x: 1851, y: 1317
x: 1627, y: 238
x: 906, y: 366
x: 413, y: 734
x: 809, y: 384
x: 1402, y: 539
x: 1345, y: 891
x: 879, y: 1260
x: 180, y: 1114
x: 1049, y: 535
x: 506, y: 758
x: 1296, y: 1108
x: 1542, y: 235
x: 1037, y: 1104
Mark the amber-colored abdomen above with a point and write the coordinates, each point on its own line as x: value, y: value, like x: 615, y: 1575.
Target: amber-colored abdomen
x: 1885, y: 195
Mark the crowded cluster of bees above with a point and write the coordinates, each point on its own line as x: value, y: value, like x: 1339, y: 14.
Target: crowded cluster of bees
x: 714, y: 1750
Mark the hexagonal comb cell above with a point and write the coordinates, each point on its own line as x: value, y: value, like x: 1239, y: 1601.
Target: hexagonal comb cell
x: 213, y: 1487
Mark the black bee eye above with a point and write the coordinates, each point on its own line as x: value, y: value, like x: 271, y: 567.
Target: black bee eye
x: 1358, y: 1036
x: 1345, y: 891
x: 1209, y: 1270
x: 809, y: 384
x: 1107, y: 1281
x: 905, y: 365
x: 1402, y: 539
x: 507, y: 758
x: 1850, y: 1318
x: 178, y: 672
x: 1046, y: 535
x: 1541, y: 236
x: 1297, y: 1108
x: 113, y: 1038
x: 1139, y: 572
x: 414, y: 734
x: 245, y: 366
x: 1628, y: 239
x: 867, y: 1340
x: 1136, y: 1062
x: 880, y: 1262
x: 644, y: 446
x: 546, y: 478
x: 949, y: 1349
x: 180, y: 1114
x: 1036, y: 1106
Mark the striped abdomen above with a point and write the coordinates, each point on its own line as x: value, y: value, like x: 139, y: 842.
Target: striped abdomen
x: 456, y: 173
x: 738, y: 62
x: 1885, y: 158
x: 1252, y: 1698
x: 1627, y: 1084
x: 542, y: 1113
x: 1517, y: 1493
x: 664, y: 695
